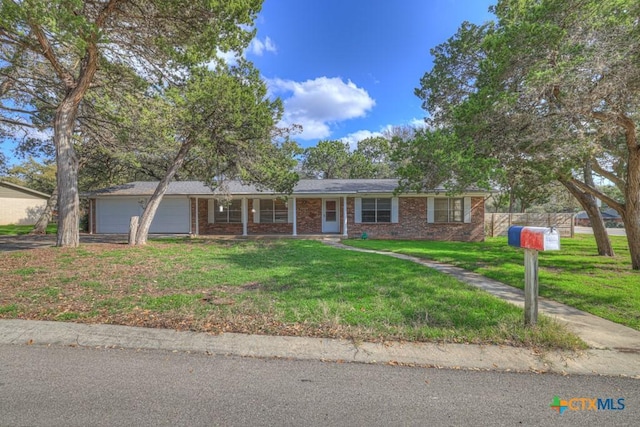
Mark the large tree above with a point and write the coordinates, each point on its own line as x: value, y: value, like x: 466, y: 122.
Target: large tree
x: 225, y: 118
x: 328, y: 159
x: 331, y: 159
x: 157, y: 38
x: 554, y: 83
x: 577, y: 64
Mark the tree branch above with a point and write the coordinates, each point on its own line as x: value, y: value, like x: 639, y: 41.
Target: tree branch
x: 607, y: 174
x: 16, y: 123
x: 619, y: 207
x: 629, y: 126
x: 47, y: 52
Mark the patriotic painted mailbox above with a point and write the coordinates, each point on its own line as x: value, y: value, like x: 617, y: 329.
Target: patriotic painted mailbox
x: 532, y: 240
x: 537, y: 238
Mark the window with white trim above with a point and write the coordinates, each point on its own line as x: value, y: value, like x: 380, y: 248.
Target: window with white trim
x: 450, y: 209
x: 273, y: 211
x: 376, y: 210
x: 229, y: 212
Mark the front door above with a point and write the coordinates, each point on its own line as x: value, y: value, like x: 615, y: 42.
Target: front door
x: 330, y: 216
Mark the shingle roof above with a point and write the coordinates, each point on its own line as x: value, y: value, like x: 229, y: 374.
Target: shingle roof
x: 303, y: 187
x: 607, y: 214
x: 24, y: 189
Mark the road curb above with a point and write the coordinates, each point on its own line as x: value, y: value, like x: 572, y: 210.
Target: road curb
x: 452, y: 356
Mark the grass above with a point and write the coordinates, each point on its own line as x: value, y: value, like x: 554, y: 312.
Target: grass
x: 575, y: 275
x: 16, y: 230
x: 284, y: 287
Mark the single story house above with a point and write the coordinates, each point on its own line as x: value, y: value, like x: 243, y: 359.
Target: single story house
x: 610, y: 216
x: 343, y: 207
x: 20, y: 205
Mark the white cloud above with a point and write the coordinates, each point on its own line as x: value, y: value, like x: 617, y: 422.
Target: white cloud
x: 319, y: 103
x: 418, y: 123
x: 258, y: 47
x: 229, y: 58
x: 355, y: 137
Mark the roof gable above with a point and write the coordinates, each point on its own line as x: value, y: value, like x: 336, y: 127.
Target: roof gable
x: 24, y: 190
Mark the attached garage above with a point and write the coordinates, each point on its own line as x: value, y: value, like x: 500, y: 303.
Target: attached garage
x: 114, y: 214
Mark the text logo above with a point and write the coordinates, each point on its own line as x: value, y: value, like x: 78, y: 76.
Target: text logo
x: 587, y: 404
x: 559, y: 405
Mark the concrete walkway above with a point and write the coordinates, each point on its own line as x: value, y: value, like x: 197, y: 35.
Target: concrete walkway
x: 597, y: 332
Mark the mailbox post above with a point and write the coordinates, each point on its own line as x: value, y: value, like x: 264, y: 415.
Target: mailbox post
x: 532, y: 240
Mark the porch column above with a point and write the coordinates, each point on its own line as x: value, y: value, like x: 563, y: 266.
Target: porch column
x: 344, y: 217
x: 197, y: 232
x: 91, y: 209
x: 245, y: 215
x: 295, y: 217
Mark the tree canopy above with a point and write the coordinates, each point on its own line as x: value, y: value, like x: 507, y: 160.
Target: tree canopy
x: 554, y: 84
x: 57, y: 51
x: 223, y: 119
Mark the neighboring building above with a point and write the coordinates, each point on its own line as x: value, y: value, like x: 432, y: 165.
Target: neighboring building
x: 20, y: 205
x: 344, y: 207
x: 611, y: 218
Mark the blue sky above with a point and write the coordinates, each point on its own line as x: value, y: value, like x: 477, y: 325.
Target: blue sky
x: 347, y: 69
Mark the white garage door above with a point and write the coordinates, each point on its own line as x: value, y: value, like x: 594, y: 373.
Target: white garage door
x: 113, y: 215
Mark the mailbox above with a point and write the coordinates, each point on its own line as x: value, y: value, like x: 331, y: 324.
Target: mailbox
x: 537, y: 238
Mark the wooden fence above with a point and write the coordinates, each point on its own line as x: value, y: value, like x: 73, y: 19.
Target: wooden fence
x: 497, y: 224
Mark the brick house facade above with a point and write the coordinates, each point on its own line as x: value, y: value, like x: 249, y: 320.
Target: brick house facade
x: 345, y: 208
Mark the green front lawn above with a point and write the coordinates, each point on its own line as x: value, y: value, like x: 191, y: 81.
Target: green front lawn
x: 15, y: 230
x: 284, y: 287
x: 575, y: 275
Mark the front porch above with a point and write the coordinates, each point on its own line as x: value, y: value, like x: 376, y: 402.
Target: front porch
x: 293, y: 217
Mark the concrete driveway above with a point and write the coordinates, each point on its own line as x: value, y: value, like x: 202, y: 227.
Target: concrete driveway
x: 27, y: 241
x: 611, y: 231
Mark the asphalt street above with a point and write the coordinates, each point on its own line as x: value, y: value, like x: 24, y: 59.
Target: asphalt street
x: 76, y: 386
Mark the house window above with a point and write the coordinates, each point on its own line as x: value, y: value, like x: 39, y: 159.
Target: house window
x: 376, y: 210
x: 227, y: 212
x: 448, y: 209
x: 274, y: 210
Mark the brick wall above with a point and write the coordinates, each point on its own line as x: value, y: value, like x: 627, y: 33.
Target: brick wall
x: 204, y: 227
x: 309, y: 213
x: 412, y: 222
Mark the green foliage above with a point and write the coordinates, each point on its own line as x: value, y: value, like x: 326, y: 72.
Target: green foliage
x: 549, y: 89
x: 436, y: 158
x: 34, y: 174
x: 52, y: 54
x: 334, y: 159
x: 327, y: 160
x: 226, y: 114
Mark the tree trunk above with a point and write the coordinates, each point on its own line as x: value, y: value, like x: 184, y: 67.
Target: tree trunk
x: 67, y: 176
x: 41, y: 225
x: 588, y: 203
x: 631, y: 213
x: 63, y: 125
x: 152, y: 206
